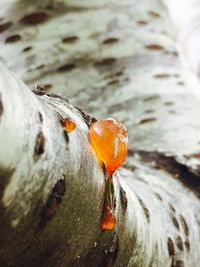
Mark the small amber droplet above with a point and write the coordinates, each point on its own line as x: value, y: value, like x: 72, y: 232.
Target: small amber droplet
x: 110, y: 142
x: 69, y: 125
x: 108, y: 220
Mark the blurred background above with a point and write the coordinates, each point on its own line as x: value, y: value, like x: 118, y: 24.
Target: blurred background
x: 136, y: 61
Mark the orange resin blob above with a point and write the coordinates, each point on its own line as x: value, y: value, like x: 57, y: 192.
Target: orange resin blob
x: 110, y: 142
x: 69, y: 125
x: 108, y: 220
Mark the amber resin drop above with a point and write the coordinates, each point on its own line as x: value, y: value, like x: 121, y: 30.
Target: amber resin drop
x: 69, y: 125
x: 110, y: 142
x: 108, y: 220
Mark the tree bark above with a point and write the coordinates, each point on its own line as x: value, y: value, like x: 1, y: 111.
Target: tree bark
x: 186, y: 21
x: 52, y: 186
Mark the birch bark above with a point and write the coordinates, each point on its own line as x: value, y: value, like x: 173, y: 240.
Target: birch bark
x: 111, y: 59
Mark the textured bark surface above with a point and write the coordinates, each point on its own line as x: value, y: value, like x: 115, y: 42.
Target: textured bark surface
x: 111, y: 59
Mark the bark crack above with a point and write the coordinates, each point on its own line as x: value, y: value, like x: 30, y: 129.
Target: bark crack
x: 1, y: 107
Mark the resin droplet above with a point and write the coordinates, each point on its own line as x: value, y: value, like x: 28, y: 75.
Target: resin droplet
x: 110, y: 142
x: 69, y: 125
x: 108, y: 220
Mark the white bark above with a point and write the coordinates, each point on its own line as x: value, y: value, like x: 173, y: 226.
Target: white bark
x: 35, y: 156
x: 185, y: 16
x: 118, y: 61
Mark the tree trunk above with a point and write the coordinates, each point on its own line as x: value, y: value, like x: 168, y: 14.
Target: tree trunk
x: 112, y: 59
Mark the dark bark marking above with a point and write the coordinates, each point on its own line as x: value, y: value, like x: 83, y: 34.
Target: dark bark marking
x: 168, y: 103
x: 172, y: 208
x: 39, y: 145
x: 5, y: 26
x: 70, y: 39
x: 149, y: 111
x: 142, y: 22
x: 150, y: 98
x: 13, y: 38
x: 58, y: 96
x: 87, y: 119
x: 179, y: 243
x: 114, y: 201
x: 170, y: 246
x: 66, y: 136
x: 119, y: 73
x: 48, y: 86
x: 53, y: 202
x: 184, y: 225
x: 162, y: 76
x: 34, y: 18
x: 175, y: 54
x: 106, y: 61
x: 129, y: 166
x: 1, y: 107
x: 154, y: 13
x: 177, y: 263
x: 147, y: 120
x: 127, y: 79
x: 93, y: 119
x: 179, y: 171
x: 39, y: 89
x: 146, y: 211
x: 40, y: 67
x: 187, y: 244
x: 123, y: 200
x: 40, y: 117
x: 26, y: 49
x: 158, y: 196
x: 154, y: 47
x: 180, y: 83
x: 110, y: 40
x: 174, y: 221
x: 113, y: 82
x: 66, y: 67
